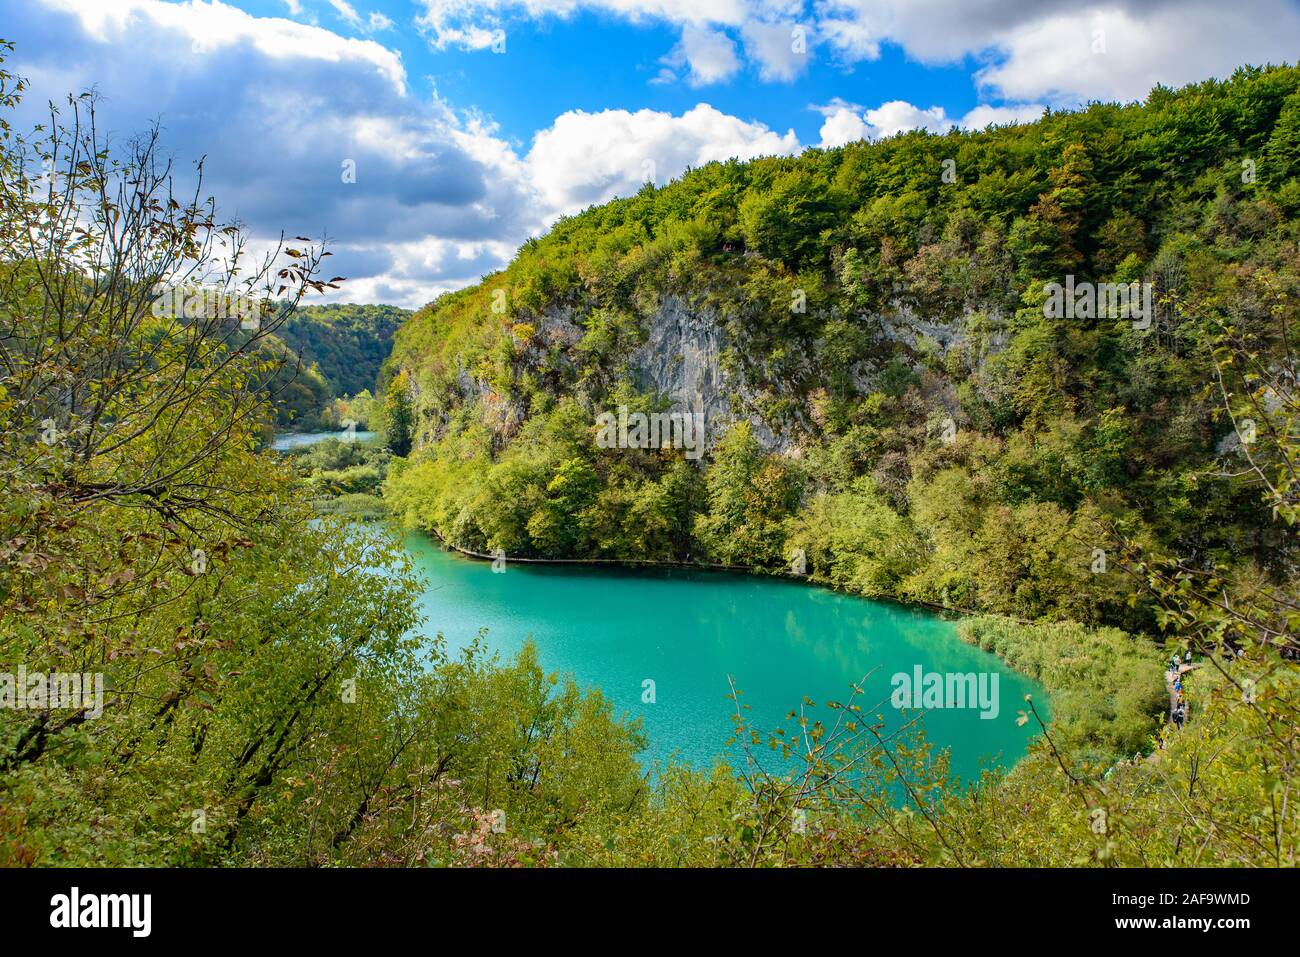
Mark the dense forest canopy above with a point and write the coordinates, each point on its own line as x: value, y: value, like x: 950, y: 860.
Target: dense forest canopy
x: 909, y: 412
x: 347, y: 343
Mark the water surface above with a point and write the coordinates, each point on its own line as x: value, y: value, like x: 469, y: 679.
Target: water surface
x: 687, y: 630
x: 293, y: 440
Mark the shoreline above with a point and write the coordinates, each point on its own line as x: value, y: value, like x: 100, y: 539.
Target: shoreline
x: 758, y: 572
x: 954, y: 615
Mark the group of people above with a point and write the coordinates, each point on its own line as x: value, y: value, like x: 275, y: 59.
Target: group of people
x: 1177, y: 702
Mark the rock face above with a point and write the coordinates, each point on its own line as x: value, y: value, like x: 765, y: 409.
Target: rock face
x: 682, y: 360
x: 903, y: 325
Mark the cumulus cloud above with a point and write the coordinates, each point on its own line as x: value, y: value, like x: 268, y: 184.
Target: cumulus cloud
x: 585, y: 158
x: 779, y: 49
x: 347, y: 11
x: 1070, y: 51
x: 842, y: 123
x: 453, y: 22
x: 710, y: 55
x: 279, y: 107
x: 1121, y: 52
x: 373, y: 22
x: 210, y: 27
x: 287, y: 114
x: 982, y: 116
x: 1030, y: 50
x: 899, y: 115
x: 846, y: 122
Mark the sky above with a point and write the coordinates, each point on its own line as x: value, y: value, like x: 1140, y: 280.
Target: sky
x: 429, y: 138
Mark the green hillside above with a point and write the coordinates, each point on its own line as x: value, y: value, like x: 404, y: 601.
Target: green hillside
x: 866, y: 301
x: 346, y: 342
x: 900, y: 404
x: 326, y: 355
x: 201, y: 667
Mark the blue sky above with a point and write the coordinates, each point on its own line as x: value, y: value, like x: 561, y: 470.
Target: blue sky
x: 592, y: 60
x: 473, y: 124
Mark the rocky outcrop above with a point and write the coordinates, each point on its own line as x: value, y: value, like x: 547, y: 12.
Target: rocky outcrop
x: 682, y: 359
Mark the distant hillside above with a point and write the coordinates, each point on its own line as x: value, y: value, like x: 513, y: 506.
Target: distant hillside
x: 346, y: 342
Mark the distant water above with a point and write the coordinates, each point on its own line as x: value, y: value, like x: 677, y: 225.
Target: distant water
x: 687, y: 630
x: 293, y: 440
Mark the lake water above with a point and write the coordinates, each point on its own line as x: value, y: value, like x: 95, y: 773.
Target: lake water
x: 293, y: 440
x: 688, y: 630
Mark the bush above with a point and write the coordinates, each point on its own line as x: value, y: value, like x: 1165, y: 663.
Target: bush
x: 1107, y: 687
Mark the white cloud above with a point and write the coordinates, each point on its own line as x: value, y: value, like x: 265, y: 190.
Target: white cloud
x: 1038, y: 50
x: 347, y: 11
x: 454, y: 22
x: 277, y: 107
x: 842, y: 123
x: 781, y: 50
x: 469, y: 38
x: 933, y: 30
x: 373, y: 22
x: 420, y: 270
x: 441, y: 196
x: 982, y: 116
x: 710, y: 54
x: 1046, y: 49
x: 846, y: 122
x: 212, y: 27
x: 853, y: 39
x: 585, y: 158
x: 898, y: 115
x: 1120, y: 54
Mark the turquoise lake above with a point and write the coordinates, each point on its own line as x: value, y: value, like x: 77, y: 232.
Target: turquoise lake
x: 687, y: 630
x: 292, y: 440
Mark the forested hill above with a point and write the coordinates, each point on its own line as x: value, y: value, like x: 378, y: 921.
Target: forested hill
x: 328, y: 355
x: 885, y: 388
x: 346, y: 342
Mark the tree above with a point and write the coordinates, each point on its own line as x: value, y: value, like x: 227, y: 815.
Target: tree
x: 786, y: 221
x: 397, y: 420
x: 749, y: 496
x: 258, y: 697
x: 558, y: 526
